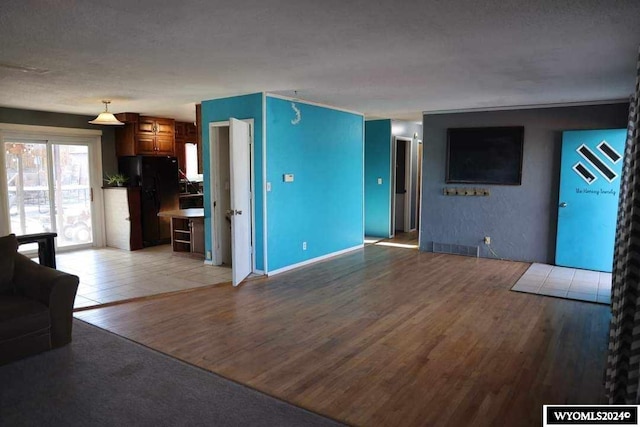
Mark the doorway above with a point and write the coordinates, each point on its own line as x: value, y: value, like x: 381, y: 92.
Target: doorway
x: 405, y: 200
x: 48, y: 186
x: 232, y: 218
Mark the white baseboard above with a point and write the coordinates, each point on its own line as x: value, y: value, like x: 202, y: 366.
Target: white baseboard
x: 313, y: 260
x: 208, y: 262
x: 258, y: 272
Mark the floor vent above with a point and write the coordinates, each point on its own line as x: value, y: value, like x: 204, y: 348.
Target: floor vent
x: 448, y: 248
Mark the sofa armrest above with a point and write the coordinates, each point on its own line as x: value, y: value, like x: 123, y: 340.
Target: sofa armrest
x: 54, y: 288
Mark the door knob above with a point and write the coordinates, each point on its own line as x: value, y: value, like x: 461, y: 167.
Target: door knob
x: 238, y: 212
x: 563, y: 204
x: 230, y: 212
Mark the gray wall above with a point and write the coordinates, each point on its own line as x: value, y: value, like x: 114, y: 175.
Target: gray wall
x: 521, y: 220
x: 407, y: 130
x: 44, y: 118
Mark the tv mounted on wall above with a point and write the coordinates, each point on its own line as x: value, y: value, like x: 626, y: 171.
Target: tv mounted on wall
x: 491, y: 155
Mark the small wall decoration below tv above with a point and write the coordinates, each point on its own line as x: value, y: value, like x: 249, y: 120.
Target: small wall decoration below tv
x: 491, y: 155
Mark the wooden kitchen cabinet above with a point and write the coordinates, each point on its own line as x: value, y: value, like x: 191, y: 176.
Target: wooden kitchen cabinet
x: 157, y: 127
x: 146, y: 126
x: 145, y: 145
x: 143, y: 135
x: 186, y: 132
x: 165, y: 146
x: 187, y: 230
x: 165, y: 128
x: 191, y: 133
x: 180, y: 131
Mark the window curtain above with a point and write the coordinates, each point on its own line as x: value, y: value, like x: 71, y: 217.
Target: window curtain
x: 623, y: 363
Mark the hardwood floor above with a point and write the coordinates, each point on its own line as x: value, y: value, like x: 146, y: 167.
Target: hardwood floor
x: 386, y: 336
x: 410, y: 237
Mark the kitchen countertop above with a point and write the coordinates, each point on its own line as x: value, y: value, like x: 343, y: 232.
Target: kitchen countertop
x: 184, y: 213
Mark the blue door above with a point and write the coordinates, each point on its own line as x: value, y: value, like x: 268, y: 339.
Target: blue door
x: 588, y: 203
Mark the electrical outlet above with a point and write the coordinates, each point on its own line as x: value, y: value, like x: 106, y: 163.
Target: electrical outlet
x: 208, y: 254
x: 304, y: 246
x: 487, y: 240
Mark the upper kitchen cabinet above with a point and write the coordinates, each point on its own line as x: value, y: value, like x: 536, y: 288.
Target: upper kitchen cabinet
x: 186, y: 132
x: 143, y: 135
x: 191, y: 133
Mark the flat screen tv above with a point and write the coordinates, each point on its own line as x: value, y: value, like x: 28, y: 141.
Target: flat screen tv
x: 491, y: 155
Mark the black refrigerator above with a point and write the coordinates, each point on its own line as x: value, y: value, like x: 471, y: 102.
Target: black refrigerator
x: 158, y: 179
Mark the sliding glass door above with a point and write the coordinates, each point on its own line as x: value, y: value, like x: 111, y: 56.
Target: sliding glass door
x: 49, y: 189
x: 72, y: 194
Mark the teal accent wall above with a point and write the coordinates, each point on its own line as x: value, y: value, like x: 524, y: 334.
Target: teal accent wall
x: 220, y: 110
x: 324, y: 204
x: 377, y: 164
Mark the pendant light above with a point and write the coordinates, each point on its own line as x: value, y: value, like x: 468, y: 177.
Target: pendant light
x: 106, y: 118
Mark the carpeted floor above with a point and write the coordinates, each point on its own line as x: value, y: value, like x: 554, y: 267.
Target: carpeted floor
x: 102, y: 379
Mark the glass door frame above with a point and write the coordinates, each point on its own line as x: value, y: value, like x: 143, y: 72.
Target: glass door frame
x: 54, y: 135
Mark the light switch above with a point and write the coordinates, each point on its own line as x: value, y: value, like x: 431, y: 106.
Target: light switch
x: 288, y: 177
x: 379, y: 181
x: 268, y: 186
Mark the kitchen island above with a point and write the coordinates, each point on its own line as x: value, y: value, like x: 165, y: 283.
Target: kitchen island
x: 187, y: 230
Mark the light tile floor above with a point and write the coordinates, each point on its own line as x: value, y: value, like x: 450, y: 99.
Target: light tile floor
x: 108, y: 275
x: 571, y: 283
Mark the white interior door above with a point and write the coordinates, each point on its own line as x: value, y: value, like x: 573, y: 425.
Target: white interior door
x: 239, y: 159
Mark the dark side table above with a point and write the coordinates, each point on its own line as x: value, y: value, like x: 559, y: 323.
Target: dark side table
x: 46, y: 246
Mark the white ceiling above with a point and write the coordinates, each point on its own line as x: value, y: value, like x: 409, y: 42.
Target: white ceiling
x: 386, y: 59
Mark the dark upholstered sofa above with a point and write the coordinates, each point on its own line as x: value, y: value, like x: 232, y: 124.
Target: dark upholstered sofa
x: 36, y: 304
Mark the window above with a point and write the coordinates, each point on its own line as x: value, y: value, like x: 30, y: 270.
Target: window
x: 191, y: 155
